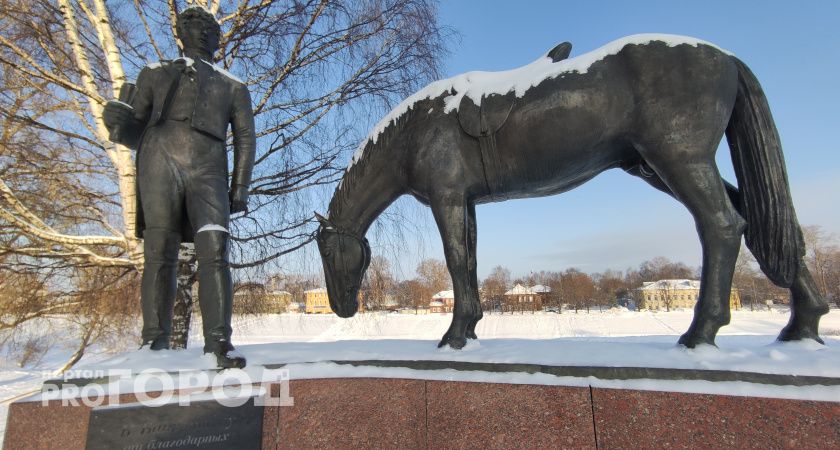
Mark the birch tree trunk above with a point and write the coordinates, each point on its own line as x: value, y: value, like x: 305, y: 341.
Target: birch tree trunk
x: 119, y: 154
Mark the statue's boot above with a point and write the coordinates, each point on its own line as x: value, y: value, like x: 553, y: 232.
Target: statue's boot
x: 158, y: 287
x: 215, y: 296
x: 226, y: 355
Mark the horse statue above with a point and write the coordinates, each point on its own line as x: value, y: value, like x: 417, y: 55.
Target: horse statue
x: 655, y: 106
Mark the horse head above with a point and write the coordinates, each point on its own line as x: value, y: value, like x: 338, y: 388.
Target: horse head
x: 346, y: 258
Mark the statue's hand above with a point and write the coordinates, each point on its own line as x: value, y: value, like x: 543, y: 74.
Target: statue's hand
x: 238, y: 198
x: 117, y: 115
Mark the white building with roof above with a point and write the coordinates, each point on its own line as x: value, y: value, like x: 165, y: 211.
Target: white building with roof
x: 442, y: 302
x: 541, y: 289
x: 522, y: 298
x: 669, y: 294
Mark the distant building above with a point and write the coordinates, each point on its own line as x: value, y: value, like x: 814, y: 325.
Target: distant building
x: 543, y: 294
x: 390, y: 303
x: 252, y: 298
x: 317, y: 301
x: 295, y: 308
x: 443, y: 302
x: 540, y: 289
x: 668, y: 294
x: 247, y: 297
x: 277, y: 301
x: 417, y: 311
x: 522, y: 298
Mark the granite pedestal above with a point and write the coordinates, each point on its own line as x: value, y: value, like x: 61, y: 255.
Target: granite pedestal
x: 382, y: 413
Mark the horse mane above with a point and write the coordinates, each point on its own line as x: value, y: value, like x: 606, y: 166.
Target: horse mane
x: 373, y: 152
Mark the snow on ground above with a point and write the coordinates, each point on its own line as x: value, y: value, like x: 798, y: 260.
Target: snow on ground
x: 609, y: 338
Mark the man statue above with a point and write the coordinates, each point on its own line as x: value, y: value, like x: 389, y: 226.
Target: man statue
x: 177, y: 121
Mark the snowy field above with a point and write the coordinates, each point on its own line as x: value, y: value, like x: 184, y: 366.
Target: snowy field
x: 609, y: 338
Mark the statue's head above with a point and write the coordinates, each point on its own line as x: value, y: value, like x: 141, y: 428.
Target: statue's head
x: 198, y: 29
x: 346, y: 258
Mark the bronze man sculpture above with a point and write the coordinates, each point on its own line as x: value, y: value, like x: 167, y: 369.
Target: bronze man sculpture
x: 655, y: 106
x: 177, y: 122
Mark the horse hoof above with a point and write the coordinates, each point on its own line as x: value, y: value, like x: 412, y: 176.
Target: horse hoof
x: 455, y: 342
x: 693, y: 340
x: 790, y: 333
x: 470, y: 332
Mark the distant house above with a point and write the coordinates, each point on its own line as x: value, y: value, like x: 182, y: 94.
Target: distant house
x: 522, y: 298
x: 295, y: 307
x: 390, y: 303
x: 442, y: 302
x: 416, y: 311
x: 253, y: 298
x: 277, y: 301
x: 247, y: 297
x: 539, y: 289
x: 668, y: 294
x: 317, y: 301
x: 543, y: 294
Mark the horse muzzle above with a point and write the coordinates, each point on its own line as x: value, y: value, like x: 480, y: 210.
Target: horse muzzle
x: 346, y: 309
x: 347, y: 305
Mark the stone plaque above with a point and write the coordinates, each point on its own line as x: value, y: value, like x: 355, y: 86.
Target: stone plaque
x: 201, y: 425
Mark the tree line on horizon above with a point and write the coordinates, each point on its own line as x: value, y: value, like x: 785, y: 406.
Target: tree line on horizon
x: 579, y: 290
x: 571, y: 288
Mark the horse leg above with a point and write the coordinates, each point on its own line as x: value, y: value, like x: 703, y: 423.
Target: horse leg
x: 643, y: 171
x: 451, y: 218
x: 472, y: 263
x: 700, y: 188
x: 807, y: 306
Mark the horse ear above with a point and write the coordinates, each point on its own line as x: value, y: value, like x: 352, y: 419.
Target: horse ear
x: 560, y: 52
x: 324, y: 221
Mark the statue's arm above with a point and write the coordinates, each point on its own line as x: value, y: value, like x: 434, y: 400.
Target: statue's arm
x: 142, y: 104
x: 244, y: 148
x: 130, y: 119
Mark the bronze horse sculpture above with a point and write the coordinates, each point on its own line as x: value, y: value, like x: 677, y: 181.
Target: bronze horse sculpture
x: 655, y: 106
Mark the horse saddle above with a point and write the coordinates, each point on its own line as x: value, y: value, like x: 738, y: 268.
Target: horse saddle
x: 486, y: 118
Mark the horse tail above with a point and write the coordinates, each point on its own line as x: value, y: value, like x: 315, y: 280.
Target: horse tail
x: 773, y: 234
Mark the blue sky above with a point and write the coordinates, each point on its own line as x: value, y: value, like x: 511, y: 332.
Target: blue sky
x: 616, y: 221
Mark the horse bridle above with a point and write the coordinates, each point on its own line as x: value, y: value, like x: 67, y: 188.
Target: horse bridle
x: 362, y: 241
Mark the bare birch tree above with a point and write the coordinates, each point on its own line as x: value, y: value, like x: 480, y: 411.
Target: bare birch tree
x: 494, y: 287
x: 379, y: 284
x: 434, y: 275
x: 578, y: 289
x: 610, y: 283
